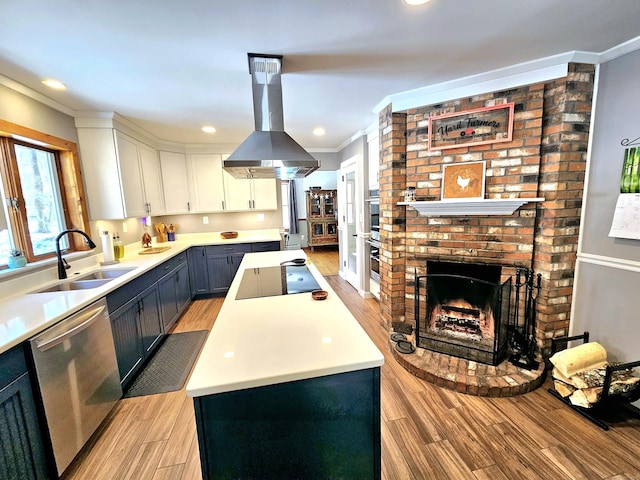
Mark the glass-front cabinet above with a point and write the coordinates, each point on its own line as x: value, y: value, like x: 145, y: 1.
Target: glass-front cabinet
x: 321, y: 217
x: 314, y: 205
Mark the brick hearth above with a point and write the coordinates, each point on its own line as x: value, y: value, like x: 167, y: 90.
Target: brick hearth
x: 472, y: 378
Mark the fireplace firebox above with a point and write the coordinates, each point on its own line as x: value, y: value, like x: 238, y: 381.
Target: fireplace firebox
x: 463, y: 310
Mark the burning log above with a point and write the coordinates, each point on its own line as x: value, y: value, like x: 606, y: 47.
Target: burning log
x: 580, y: 373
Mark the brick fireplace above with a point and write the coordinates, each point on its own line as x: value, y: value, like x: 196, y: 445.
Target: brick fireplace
x: 462, y: 310
x: 545, y: 158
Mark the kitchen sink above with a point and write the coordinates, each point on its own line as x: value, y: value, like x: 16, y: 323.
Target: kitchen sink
x: 86, y: 281
x: 74, y: 285
x: 108, y: 274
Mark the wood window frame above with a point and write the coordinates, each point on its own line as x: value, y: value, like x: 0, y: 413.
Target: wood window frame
x: 71, y: 186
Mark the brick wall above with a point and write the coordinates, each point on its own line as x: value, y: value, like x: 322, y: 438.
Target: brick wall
x: 546, y: 158
x: 392, y: 180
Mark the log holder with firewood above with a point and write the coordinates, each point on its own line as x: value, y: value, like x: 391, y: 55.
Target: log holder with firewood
x: 607, y: 389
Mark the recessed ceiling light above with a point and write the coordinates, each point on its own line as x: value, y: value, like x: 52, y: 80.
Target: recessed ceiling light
x: 209, y: 129
x: 318, y: 132
x: 415, y: 2
x: 55, y: 84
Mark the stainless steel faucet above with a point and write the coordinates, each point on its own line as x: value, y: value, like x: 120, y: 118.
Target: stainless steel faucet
x: 63, y: 265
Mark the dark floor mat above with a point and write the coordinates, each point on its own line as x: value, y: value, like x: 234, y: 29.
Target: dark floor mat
x: 168, y: 369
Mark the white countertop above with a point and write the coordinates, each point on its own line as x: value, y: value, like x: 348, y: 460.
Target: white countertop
x: 23, y: 315
x: 264, y: 341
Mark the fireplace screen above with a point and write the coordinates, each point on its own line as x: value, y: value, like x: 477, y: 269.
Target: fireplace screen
x: 463, y: 316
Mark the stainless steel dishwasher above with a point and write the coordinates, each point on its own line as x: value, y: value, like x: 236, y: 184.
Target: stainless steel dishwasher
x: 77, y: 374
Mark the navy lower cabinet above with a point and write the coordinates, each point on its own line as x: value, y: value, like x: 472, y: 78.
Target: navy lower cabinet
x: 326, y: 427
x: 136, y: 323
x: 144, y: 310
x: 212, y: 267
x: 223, y: 262
x: 174, y: 289
x: 198, y: 273
x: 265, y: 246
x: 127, y: 339
x: 183, y: 292
x: 22, y: 450
x: 149, y: 317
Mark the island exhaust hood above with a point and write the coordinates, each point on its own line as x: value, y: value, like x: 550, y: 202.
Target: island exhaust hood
x: 269, y: 152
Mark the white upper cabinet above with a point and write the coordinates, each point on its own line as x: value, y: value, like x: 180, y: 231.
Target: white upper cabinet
x: 250, y: 194
x: 122, y: 175
x: 238, y: 193
x: 175, y: 183
x: 214, y: 190
x: 151, y: 179
x: 131, y: 176
x: 207, y: 184
x: 265, y: 195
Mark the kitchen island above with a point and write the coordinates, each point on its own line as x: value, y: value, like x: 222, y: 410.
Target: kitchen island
x: 287, y: 387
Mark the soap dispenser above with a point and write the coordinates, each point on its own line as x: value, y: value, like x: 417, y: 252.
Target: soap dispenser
x: 118, y: 247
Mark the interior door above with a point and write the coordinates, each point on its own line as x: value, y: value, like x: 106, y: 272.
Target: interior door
x: 349, y: 214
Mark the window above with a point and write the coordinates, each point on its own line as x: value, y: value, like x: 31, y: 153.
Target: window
x: 42, y: 192
x: 284, y: 185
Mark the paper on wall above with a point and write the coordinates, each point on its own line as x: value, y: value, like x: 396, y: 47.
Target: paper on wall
x: 626, y: 217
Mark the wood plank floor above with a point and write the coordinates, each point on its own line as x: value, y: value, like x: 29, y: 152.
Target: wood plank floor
x: 427, y: 432
x: 325, y: 259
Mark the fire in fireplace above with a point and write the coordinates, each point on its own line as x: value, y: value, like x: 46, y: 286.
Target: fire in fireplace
x: 463, y: 310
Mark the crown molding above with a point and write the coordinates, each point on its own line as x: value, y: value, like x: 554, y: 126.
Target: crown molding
x: 372, y: 131
x: 535, y: 71
x: 28, y: 92
x: 620, y: 50
x: 350, y: 140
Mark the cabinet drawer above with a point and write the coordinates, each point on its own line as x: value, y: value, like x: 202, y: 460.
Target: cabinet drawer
x: 228, y: 248
x: 122, y: 295
x: 265, y: 246
x: 171, y: 264
x: 166, y: 267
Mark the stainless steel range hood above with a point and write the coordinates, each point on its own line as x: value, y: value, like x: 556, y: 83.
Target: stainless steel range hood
x: 269, y: 152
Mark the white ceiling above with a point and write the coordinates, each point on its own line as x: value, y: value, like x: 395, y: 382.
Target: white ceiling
x: 172, y: 66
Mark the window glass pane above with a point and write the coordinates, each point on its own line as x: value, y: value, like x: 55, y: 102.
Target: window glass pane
x: 41, y: 192
x: 285, y: 204
x: 5, y: 238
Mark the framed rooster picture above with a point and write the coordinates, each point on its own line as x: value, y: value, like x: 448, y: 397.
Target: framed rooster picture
x: 463, y: 181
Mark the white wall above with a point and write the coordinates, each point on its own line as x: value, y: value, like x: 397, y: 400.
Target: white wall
x: 606, y: 289
x: 327, y: 180
x: 26, y: 112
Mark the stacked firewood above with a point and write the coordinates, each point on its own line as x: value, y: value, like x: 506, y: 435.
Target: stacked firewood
x: 579, y: 373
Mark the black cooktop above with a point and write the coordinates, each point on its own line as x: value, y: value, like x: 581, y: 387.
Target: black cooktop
x: 278, y: 280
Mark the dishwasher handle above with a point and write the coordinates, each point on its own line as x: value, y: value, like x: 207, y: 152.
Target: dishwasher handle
x: 85, y: 318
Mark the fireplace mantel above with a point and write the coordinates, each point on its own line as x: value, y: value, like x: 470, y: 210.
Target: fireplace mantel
x: 486, y: 206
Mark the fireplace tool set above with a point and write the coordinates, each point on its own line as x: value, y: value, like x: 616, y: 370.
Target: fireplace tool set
x: 522, y: 340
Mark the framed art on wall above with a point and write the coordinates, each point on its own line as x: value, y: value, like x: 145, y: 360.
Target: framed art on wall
x: 463, y: 181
